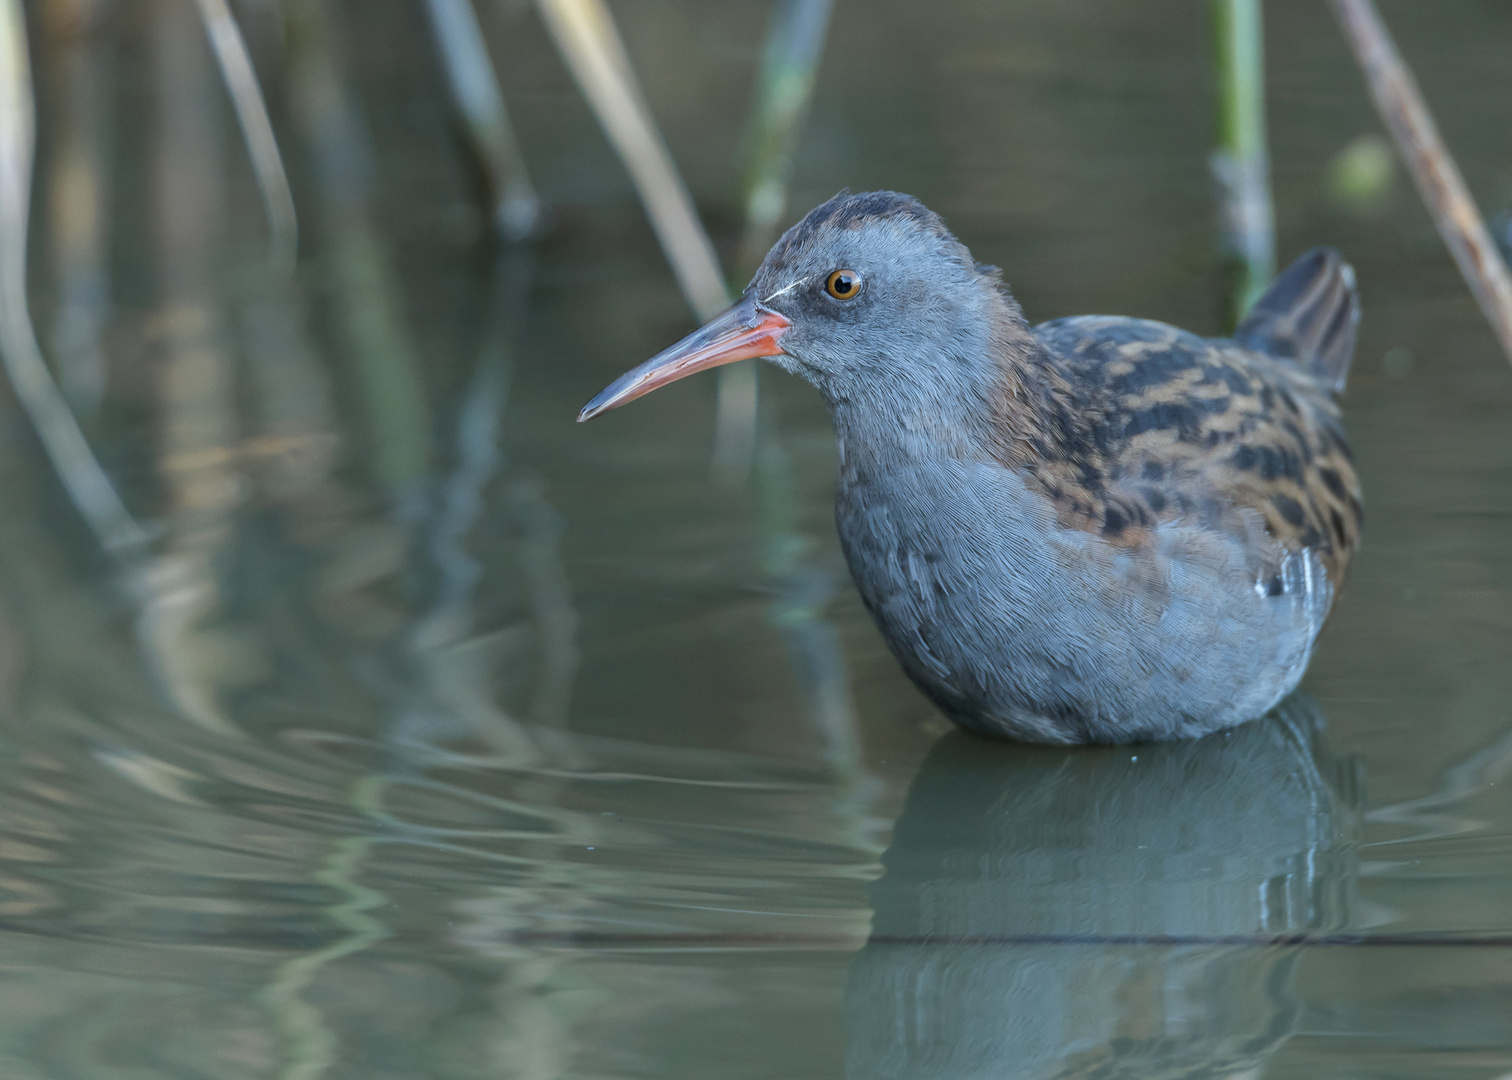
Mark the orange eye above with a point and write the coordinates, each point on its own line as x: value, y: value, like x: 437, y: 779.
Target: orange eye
x: 843, y: 284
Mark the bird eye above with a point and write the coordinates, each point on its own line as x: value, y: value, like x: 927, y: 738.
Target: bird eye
x: 843, y: 284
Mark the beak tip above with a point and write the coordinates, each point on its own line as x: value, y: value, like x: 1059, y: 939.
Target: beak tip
x: 602, y: 403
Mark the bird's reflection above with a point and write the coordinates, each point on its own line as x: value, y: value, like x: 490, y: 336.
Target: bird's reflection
x: 1112, y: 912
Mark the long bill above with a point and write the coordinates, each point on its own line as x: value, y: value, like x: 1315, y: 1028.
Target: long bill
x: 745, y: 331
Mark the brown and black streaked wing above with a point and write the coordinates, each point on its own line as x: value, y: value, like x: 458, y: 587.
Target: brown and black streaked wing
x: 1185, y: 427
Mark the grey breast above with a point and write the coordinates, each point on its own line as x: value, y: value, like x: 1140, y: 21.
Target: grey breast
x: 1017, y: 626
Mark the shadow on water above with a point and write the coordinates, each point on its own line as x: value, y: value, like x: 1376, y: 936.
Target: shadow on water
x: 1050, y: 913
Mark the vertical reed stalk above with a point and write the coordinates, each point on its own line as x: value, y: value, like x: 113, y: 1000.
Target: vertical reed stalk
x: 475, y: 90
x: 784, y: 91
x: 1241, y: 163
x: 86, y: 483
x: 585, y: 33
x: 590, y: 44
x: 784, y: 88
x: 1439, y: 181
x: 369, y: 299
x: 257, y: 130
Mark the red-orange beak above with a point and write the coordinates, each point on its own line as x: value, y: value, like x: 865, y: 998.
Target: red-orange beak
x: 747, y: 330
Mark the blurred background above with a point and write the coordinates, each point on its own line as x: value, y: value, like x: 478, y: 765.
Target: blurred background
x: 361, y: 715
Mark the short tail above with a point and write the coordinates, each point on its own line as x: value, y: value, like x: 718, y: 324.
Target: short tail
x: 1309, y: 315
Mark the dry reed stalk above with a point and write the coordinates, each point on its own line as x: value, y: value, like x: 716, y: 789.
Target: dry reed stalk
x: 590, y: 44
x: 1401, y: 105
x: 86, y: 483
x: 585, y: 33
x: 236, y: 69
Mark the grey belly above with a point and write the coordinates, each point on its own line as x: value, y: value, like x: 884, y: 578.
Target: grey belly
x: 1020, y: 628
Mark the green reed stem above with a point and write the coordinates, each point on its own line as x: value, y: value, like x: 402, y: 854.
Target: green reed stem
x: 1241, y: 162
x: 370, y: 300
x: 784, y: 91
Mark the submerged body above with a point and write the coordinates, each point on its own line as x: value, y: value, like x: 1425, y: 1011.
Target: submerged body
x: 1099, y: 529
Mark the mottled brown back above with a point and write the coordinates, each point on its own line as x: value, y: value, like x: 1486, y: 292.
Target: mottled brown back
x: 1172, y: 425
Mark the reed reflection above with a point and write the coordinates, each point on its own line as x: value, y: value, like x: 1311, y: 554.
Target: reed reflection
x: 1118, y: 911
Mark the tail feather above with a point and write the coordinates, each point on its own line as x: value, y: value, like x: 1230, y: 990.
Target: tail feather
x: 1308, y: 315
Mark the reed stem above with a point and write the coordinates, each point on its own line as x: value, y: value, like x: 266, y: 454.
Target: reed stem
x: 236, y: 68
x: 784, y: 91
x: 589, y: 42
x: 478, y: 97
x: 1439, y: 181
x: 363, y: 274
x: 83, y: 478
x: 1241, y: 162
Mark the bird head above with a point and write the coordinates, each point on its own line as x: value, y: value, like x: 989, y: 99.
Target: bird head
x: 868, y: 290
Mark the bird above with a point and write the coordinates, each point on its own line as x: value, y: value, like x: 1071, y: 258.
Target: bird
x: 1098, y: 529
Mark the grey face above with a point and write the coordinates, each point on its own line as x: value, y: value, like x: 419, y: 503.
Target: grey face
x: 868, y: 292
x: 870, y: 297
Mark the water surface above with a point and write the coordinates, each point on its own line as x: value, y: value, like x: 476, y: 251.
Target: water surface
x: 438, y: 736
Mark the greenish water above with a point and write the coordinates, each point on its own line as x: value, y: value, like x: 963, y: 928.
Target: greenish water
x: 438, y: 736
